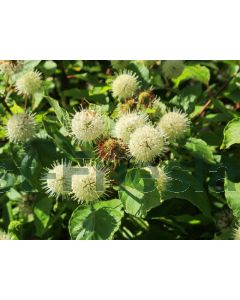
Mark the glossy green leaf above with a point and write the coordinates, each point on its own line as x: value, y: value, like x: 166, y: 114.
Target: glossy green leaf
x: 232, y: 192
x: 42, y: 211
x: 195, y: 72
x: 200, y: 149
x: 183, y: 185
x: 61, y: 114
x: 138, y: 192
x: 231, y: 134
x: 96, y: 222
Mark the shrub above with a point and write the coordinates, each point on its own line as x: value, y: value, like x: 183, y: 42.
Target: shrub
x: 150, y: 152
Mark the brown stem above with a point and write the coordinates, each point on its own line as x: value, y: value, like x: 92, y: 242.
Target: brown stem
x: 6, y: 106
x: 209, y: 101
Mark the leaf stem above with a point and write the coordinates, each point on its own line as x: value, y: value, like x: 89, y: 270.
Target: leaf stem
x: 209, y: 101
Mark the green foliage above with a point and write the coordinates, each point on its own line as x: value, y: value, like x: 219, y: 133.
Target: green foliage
x: 201, y: 197
x: 231, y: 134
x: 96, y: 222
x: 138, y: 193
x: 197, y: 72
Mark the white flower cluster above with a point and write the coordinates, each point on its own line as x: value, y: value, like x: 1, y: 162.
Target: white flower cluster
x: 29, y: 83
x: 127, y: 124
x: 8, y: 67
x: 56, y: 181
x: 125, y: 85
x: 174, y: 124
x: 88, y: 126
x: 89, y: 187
x: 21, y: 127
x: 146, y: 143
x: 84, y: 184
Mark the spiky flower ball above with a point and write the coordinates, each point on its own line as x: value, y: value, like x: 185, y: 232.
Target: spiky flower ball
x: 111, y: 150
x: 88, y: 126
x: 120, y: 64
x: 174, y: 124
x: 125, y: 85
x: 57, y: 181
x: 172, y: 68
x: 21, y: 128
x: 236, y: 233
x: 146, y: 143
x: 160, y: 175
x: 8, y: 67
x: 90, y: 187
x: 29, y: 83
x: 127, y: 124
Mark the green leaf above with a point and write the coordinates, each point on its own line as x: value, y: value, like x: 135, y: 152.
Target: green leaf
x: 31, y: 168
x: 200, y: 149
x: 232, y: 192
x: 50, y: 66
x: 61, y: 113
x: 183, y: 185
x: 60, y: 140
x: 46, y: 150
x: 220, y: 106
x: 41, y: 212
x: 196, y: 72
x: 96, y: 222
x: 30, y: 64
x: 138, y: 192
x: 231, y: 134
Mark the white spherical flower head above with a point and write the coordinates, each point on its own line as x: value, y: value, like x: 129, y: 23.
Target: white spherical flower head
x: 88, y: 126
x: 125, y: 85
x: 159, y: 174
x: 8, y: 67
x: 236, y: 233
x: 172, y: 68
x: 127, y: 124
x: 29, y: 83
x: 57, y: 181
x: 146, y: 143
x: 174, y: 124
x: 21, y: 128
x: 91, y: 186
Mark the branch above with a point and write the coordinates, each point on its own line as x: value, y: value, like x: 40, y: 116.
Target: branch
x: 5, y: 105
x: 209, y: 101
